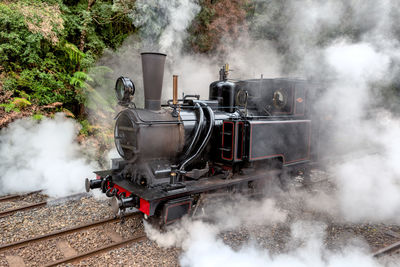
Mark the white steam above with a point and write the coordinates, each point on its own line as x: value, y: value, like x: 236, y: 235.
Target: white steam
x: 163, y: 23
x: 163, y: 28
x: 202, y: 245
x: 352, y: 47
x: 368, y: 185
x: 42, y: 155
x: 225, y: 216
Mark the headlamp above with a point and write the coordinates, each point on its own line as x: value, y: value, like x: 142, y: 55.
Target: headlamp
x: 124, y: 89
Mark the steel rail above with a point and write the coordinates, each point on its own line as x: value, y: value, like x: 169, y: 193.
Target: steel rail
x: 26, y: 207
x: 386, y: 250
x: 41, y: 204
x: 97, y: 251
x: 64, y: 232
x: 9, y: 197
x: 15, y: 196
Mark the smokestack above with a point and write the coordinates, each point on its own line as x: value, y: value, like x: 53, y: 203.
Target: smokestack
x: 153, y: 74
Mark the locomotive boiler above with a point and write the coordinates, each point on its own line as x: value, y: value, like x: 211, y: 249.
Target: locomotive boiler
x: 246, y: 133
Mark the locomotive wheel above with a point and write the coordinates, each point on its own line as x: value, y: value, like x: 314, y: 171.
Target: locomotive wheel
x: 155, y: 222
x: 87, y: 185
x: 307, y: 177
x: 284, y: 179
x: 103, y: 186
x: 288, y: 174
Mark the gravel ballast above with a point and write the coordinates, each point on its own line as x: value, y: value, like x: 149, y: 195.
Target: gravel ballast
x: 276, y: 238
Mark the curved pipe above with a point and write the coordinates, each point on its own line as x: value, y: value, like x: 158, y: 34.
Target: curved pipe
x: 151, y: 122
x: 198, y: 129
x: 205, y: 141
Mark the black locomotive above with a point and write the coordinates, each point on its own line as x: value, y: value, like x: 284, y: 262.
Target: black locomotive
x: 245, y: 134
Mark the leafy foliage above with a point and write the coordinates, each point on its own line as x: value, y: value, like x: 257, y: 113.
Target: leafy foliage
x: 15, y: 104
x: 79, y: 78
x: 21, y: 103
x: 8, y: 107
x: 86, y: 127
x: 74, y: 55
x: 217, y: 19
x: 46, y: 47
x: 37, y: 116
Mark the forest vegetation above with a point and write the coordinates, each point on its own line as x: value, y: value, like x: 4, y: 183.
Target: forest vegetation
x: 48, y: 46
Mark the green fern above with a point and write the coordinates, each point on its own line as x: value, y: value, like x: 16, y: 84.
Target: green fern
x: 20, y: 103
x: 8, y: 107
x: 97, y: 100
x: 37, y: 116
x: 42, y: 71
x: 79, y: 79
x: 73, y: 53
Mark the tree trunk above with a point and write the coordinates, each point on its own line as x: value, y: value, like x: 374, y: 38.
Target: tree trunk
x: 84, y: 33
x: 81, y: 108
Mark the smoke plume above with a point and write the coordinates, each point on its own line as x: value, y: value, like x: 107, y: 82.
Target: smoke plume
x: 352, y: 49
x: 163, y: 23
x: 357, y: 66
x: 203, y: 245
x: 224, y: 216
x: 42, y: 155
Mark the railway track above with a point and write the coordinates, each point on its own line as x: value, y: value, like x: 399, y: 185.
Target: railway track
x: 9, y: 212
x: 98, y: 251
x: 25, y: 207
x: 16, y: 196
x: 118, y: 241
x: 387, y: 250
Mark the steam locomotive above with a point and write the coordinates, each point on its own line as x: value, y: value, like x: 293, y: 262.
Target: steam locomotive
x: 246, y: 133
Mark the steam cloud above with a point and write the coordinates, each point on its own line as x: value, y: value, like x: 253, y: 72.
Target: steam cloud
x: 163, y: 23
x: 353, y: 49
x: 202, y: 244
x: 368, y: 185
x: 42, y: 155
x: 225, y: 217
x: 350, y: 46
